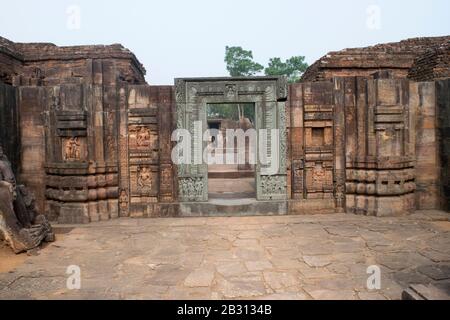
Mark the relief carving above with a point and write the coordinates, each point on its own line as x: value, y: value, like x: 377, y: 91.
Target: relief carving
x: 340, y: 193
x: 318, y: 175
x: 123, y: 201
x: 144, y: 178
x: 191, y: 188
x: 72, y: 149
x: 143, y: 137
x: 282, y: 88
x: 166, y: 177
x: 230, y: 90
x: 283, y: 137
x: 180, y: 95
x: 273, y: 185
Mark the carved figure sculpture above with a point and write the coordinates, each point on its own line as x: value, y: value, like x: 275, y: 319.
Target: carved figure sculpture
x: 143, y: 137
x: 20, y: 224
x: 72, y: 149
x: 318, y: 175
x: 123, y: 200
x: 144, y: 178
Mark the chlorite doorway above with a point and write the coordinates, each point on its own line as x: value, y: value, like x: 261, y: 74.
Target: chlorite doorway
x: 267, y: 95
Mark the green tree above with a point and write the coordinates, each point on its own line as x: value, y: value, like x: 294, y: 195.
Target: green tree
x: 223, y: 111
x: 292, y: 68
x: 240, y: 62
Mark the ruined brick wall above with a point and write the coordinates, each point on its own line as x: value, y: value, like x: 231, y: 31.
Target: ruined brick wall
x: 433, y: 64
x: 93, y: 141
x: 355, y: 144
x: 51, y: 65
x: 11, y: 61
x: 396, y: 57
x: 41, y: 64
x: 443, y: 110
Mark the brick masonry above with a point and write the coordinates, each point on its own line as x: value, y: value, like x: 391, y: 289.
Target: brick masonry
x: 421, y: 59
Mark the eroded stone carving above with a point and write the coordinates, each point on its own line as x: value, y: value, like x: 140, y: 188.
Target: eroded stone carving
x: 318, y: 174
x: 20, y: 224
x: 180, y: 88
x: 273, y: 185
x: 72, y: 150
x: 123, y: 201
x: 282, y: 88
x: 144, y: 178
x: 191, y: 188
x: 143, y: 137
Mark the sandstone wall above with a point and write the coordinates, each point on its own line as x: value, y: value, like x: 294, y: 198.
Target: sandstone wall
x: 368, y: 146
x: 31, y: 104
x: 378, y: 146
x: 311, y: 152
x: 93, y: 141
x: 422, y: 102
x: 9, y: 124
x: 81, y: 148
x: 146, y: 170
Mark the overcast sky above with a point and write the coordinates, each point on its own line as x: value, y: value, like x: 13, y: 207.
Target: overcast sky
x: 187, y: 38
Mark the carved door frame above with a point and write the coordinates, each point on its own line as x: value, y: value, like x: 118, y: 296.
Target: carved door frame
x: 267, y: 93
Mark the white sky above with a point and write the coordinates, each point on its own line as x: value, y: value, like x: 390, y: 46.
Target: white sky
x: 187, y: 38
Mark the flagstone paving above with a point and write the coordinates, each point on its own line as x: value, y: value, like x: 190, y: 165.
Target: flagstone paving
x: 283, y: 257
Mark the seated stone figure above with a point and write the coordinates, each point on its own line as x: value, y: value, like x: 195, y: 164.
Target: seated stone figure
x: 20, y: 224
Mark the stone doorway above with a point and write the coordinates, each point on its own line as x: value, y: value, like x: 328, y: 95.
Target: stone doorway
x: 268, y: 95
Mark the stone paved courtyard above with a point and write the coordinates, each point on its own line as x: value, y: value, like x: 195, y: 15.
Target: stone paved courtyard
x: 286, y: 257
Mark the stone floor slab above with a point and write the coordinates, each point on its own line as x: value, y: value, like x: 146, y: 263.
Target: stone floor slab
x: 285, y: 257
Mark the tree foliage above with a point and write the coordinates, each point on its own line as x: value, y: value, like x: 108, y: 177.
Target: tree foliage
x: 240, y: 62
x: 292, y: 68
x: 231, y: 111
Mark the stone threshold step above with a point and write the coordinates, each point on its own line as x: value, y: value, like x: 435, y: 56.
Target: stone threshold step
x: 231, y: 174
x: 233, y: 207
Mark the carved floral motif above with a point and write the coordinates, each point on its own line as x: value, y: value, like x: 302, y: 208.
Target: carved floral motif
x: 191, y: 188
x: 273, y: 185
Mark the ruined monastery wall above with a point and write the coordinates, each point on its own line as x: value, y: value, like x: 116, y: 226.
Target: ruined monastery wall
x: 93, y: 142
